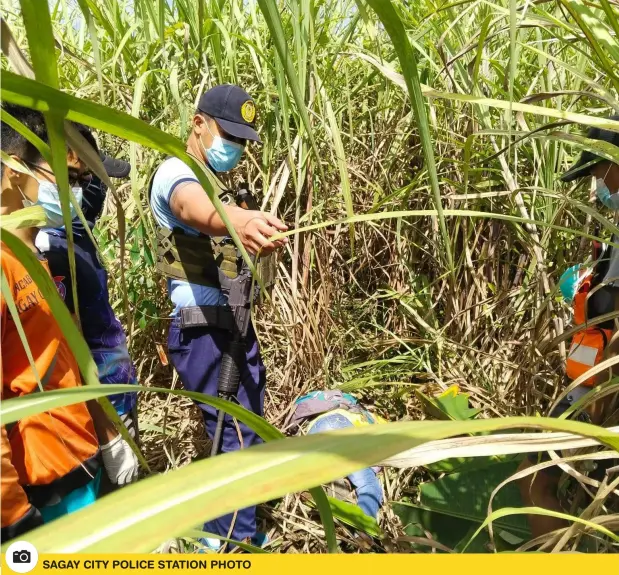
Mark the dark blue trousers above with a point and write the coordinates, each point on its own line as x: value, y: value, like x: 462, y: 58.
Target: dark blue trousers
x: 196, y: 354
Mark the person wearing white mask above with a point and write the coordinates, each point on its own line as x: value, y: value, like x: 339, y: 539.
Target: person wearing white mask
x: 52, y: 462
x: 200, y: 331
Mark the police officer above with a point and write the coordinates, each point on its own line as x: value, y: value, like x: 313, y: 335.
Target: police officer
x: 221, y: 128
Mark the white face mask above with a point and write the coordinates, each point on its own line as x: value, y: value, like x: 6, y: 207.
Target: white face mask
x: 49, y: 200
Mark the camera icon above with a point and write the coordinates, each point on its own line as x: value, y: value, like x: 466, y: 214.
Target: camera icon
x: 21, y: 557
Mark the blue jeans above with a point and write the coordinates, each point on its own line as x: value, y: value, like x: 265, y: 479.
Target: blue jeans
x: 365, y: 482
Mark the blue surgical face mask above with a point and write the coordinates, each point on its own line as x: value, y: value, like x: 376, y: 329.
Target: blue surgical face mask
x: 49, y: 200
x: 611, y: 201
x: 223, y: 155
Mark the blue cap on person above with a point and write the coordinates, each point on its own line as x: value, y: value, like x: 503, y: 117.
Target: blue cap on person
x: 233, y: 109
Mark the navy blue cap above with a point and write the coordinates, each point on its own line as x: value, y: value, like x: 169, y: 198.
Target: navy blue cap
x: 114, y: 167
x: 586, y: 161
x: 233, y: 109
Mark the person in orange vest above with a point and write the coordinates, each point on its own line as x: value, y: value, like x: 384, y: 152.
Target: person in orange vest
x: 592, y: 293
x: 52, y: 462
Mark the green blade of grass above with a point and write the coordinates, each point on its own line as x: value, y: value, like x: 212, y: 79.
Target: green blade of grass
x: 408, y: 61
x: 372, y: 217
x: 20, y: 407
x: 8, y: 298
x: 77, y: 344
x: 580, y: 74
x: 167, y: 505
x: 584, y: 119
x: 31, y: 217
x: 351, y: 514
x: 340, y: 156
x: 612, y: 16
x: 40, y: 35
x: 92, y: 32
x: 599, y: 37
x: 505, y: 512
x: 196, y: 534
x: 271, y: 14
x: 38, y: 25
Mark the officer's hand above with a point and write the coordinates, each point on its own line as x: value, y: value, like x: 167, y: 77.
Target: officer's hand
x: 255, y: 228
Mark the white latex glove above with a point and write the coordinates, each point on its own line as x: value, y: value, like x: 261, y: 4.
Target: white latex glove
x: 120, y: 462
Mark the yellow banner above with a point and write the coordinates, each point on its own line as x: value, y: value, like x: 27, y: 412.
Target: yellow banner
x: 504, y: 563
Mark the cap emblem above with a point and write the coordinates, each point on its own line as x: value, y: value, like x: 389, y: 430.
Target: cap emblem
x: 248, y: 111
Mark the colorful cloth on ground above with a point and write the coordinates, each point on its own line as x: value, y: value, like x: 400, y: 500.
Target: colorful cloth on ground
x: 365, y: 483
x: 318, y: 402
x: 334, y: 409
x: 355, y: 418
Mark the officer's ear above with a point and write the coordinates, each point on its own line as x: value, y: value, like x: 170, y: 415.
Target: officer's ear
x: 199, y: 124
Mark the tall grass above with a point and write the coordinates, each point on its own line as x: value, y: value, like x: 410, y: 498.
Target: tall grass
x: 418, y: 143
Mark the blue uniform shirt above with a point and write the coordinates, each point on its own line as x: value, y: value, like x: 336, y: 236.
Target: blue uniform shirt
x: 102, y: 331
x: 167, y: 177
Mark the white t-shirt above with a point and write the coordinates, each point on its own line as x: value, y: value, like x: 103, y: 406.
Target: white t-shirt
x: 167, y: 177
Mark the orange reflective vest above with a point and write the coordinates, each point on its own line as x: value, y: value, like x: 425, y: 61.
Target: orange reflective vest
x: 49, y: 454
x: 587, y: 346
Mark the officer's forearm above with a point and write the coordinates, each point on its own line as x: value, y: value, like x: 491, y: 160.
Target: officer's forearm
x: 190, y: 204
